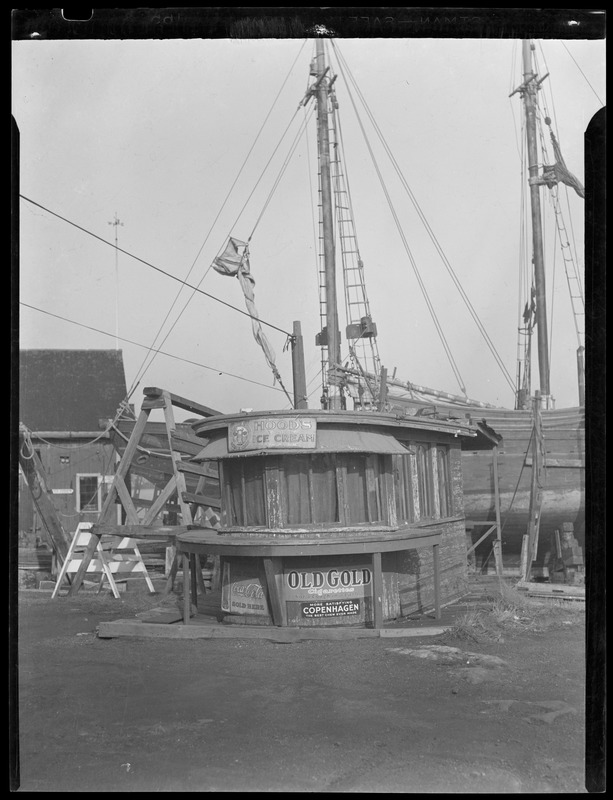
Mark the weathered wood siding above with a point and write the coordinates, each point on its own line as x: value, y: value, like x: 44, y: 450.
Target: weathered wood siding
x: 412, y: 571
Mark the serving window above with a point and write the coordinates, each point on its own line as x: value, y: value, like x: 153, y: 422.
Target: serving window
x: 338, y: 489
x: 312, y: 490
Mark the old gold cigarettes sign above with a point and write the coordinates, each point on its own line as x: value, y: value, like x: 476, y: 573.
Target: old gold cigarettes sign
x: 273, y: 433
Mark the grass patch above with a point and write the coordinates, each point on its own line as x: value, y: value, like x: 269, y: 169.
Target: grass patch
x: 509, y: 611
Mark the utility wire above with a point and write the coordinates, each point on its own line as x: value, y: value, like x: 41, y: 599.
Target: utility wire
x: 281, y: 172
x: 143, y: 369
x: 162, y: 352
x: 157, y: 269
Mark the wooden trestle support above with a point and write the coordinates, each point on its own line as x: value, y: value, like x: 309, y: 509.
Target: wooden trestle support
x: 148, y: 528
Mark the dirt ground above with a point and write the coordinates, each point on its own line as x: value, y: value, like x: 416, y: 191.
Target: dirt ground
x: 427, y: 714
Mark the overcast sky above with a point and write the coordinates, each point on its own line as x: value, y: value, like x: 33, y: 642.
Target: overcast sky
x: 156, y: 132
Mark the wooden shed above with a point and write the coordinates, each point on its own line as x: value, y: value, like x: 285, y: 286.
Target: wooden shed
x: 63, y: 396
x: 333, y: 517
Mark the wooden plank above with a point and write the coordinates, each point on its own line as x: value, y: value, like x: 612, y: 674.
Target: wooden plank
x: 126, y: 501
x: 437, y: 581
x: 186, y: 589
x: 552, y: 588
x: 160, y: 501
x: 566, y: 463
x: 153, y: 403
x: 161, y: 616
x: 179, y: 477
x: 86, y: 558
x: 132, y: 444
x: 490, y: 530
x: 58, y: 538
x: 196, y: 469
x: 195, y: 630
x: 524, y: 565
x: 194, y: 562
x: 199, y: 577
x: 155, y: 532
x: 202, y: 500
x: 498, y: 542
x: 273, y: 568
x: 182, y: 402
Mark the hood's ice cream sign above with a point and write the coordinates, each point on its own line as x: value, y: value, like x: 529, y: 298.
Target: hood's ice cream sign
x: 272, y: 433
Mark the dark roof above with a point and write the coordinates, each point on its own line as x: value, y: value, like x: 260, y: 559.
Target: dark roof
x: 69, y: 390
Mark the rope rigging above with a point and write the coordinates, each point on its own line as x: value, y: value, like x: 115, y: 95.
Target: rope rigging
x: 433, y: 238
x: 146, y: 347
x: 552, y: 172
x: 153, y: 350
x: 397, y: 220
x: 145, y: 366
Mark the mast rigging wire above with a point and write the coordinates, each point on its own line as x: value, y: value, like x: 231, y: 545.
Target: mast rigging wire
x: 149, y: 264
x: 583, y: 73
x: 143, y: 369
x: 427, y: 226
x: 403, y: 237
x: 161, y: 352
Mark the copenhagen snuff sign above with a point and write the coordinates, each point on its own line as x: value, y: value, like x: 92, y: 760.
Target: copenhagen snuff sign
x: 272, y: 433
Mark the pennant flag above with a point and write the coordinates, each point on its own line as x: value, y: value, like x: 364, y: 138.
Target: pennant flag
x: 234, y: 262
x: 558, y: 172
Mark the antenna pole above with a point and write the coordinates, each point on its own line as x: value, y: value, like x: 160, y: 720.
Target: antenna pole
x: 115, y: 223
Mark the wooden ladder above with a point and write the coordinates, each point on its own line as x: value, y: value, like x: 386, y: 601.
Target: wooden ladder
x: 145, y: 529
x: 34, y: 473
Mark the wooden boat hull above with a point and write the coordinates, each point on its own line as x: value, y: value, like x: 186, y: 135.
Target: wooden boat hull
x: 152, y: 458
x: 562, y: 476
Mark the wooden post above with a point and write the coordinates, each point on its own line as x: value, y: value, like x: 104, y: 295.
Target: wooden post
x: 534, y: 510
x: 498, y: 542
x: 298, y: 368
x: 437, y: 580
x: 377, y: 590
x: 581, y: 375
x: 187, y: 607
x: 524, y: 561
x: 273, y: 571
x: 35, y: 477
x: 382, y: 390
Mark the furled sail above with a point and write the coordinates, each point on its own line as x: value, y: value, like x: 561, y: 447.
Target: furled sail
x: 234, y: 262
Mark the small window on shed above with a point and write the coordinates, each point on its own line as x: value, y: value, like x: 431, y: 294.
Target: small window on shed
x: 88, y: 493
x: 245, y: 494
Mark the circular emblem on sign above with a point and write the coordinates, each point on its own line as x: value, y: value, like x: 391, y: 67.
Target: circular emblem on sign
x: 240, y: 437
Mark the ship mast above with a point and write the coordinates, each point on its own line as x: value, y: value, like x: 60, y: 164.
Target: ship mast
x: 528, y: 92
x: 322, y: 88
